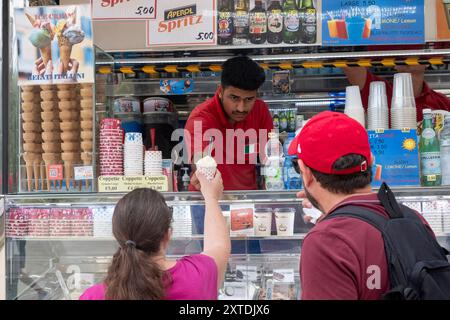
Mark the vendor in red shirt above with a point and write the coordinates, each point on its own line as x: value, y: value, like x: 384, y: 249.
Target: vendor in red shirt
x: 238, y: 122
x: 425, y: 97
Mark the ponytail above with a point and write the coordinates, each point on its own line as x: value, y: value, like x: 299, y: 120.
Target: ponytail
x: 133, y: 275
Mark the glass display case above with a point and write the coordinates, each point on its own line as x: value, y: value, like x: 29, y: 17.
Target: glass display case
x: 57, y: 246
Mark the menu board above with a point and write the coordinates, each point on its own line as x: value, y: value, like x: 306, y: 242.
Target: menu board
x: 373, y: 22
x: 396, y: 156
x: 123, y: 9
x: 443, y: 19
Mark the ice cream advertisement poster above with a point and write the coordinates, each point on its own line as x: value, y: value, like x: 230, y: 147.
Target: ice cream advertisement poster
x: 372, y: 22
x: 396, y: 157
x: 54, y: 45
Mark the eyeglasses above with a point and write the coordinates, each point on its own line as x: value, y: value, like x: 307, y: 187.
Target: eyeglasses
x: 295, y: 165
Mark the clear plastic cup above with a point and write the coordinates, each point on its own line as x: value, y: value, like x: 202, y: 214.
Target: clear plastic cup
x: 377, y: 96
x: 353, y: 98
x: 403, y: 92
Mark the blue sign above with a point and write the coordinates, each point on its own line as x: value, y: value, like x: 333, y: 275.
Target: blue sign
x: 177, y: 86
x: 396, y: 157
x: 372, y: 22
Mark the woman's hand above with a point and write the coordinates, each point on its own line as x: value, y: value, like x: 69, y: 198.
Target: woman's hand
x: 211, y: 190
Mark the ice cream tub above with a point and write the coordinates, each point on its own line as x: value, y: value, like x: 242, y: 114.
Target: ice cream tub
x: 127, y: 104
x: 158, y: 104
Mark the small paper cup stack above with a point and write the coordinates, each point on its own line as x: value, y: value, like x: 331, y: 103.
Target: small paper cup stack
x: 51, y: 135
x: 153, y: 163
x: 70, y: 129
x: 32, y: 141
x: 133, y: 154
x: 111, y: 147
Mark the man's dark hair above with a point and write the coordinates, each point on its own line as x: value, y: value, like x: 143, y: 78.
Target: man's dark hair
x: 346, y: 183
x: 243, y: 73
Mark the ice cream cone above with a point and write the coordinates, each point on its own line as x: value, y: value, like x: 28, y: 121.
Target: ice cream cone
x: 36, y: 170
x: 46, y: 54
x: 68, y: 166
x: 31, y: 19
x: 65, y: 50
x: 29, y: 158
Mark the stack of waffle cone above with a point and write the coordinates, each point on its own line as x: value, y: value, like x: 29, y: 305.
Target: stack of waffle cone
x: 32, y: 143
x: 50, y: 129
x: 69, y: 115
x: 86, y: 114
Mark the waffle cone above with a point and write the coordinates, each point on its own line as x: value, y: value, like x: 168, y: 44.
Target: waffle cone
x: 46, y: 54
x: 65, y: 50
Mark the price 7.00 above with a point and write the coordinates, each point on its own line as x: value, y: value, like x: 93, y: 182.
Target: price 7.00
x: 205, y: 36
x: 144, y: 10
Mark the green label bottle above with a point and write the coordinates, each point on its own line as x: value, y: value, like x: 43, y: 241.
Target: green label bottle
x: 275, y: 22
x: 430, y: 157
x: 291, y: 22
x: 308, y: 22
x: 225, y: 27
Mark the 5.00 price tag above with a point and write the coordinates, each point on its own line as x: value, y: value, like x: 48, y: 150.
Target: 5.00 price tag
x: 123, y: 9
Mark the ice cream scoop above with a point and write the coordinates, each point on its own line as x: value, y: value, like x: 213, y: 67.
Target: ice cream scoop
x: 74, y: 34
x: 207, y: 162
x: 40, y: 38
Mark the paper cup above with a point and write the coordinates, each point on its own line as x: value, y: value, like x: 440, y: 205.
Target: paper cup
x: 262, y: 221
x: 208, y: 172
x: 284, y: 219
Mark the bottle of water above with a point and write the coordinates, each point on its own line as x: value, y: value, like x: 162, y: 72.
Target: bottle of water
x: 292, y: 180
x: 274, y: 163
x: 287, y: 142
x: 445, y: 151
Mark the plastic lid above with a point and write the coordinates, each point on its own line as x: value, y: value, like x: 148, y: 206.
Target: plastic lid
x: 263, y: 210
x: 284, y: 210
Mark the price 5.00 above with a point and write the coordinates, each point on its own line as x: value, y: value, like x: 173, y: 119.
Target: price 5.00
x: 144, y: 10
x: 205, y: 36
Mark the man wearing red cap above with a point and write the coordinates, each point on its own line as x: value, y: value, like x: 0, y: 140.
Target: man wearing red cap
x: 339, y: 255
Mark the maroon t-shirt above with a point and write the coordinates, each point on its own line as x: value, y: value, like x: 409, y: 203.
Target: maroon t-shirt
x: 235, y: 157
x: 428, y: 98
x: 341, y: 256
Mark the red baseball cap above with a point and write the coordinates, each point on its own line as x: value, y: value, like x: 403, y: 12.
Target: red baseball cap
x: 328, y: 136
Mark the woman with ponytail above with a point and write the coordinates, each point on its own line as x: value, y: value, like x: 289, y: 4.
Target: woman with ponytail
x: 140, y: 269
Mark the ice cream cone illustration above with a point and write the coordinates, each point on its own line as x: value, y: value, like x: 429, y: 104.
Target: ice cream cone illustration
x: 68, y: 34
x: 41, y: 37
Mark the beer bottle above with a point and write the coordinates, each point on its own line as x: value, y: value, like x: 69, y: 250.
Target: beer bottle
x: 275, y: 22
x: 241, y: 22
x: 258, y: 24
x: 225, y: 25
x: 429, y: 150
x: 291, y: 22
x: 308, y: 22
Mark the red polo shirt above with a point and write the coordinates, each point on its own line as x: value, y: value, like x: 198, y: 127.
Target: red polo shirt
x: 427, y: 99
x: 338, y: 256
x: 235, y: 155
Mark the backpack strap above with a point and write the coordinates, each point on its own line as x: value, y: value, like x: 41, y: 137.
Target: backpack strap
x: 388, y: 201
x: 361, y: 213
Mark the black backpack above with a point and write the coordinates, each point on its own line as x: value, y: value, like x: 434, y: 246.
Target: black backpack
x: 418, y: 266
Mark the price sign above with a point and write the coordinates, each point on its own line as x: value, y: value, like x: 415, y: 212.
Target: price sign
x: 178, y: 23
x: 123, y: 9
x: 127, y: 184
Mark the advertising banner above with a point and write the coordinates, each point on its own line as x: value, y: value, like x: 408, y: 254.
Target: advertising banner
x: 54, y: 45
x: 396, y: 156
x: 375, y: 22
x: 123, y: 9
x: 181, y: 22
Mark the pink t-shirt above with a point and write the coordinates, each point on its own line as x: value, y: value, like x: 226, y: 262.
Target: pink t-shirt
x: 194, y: 278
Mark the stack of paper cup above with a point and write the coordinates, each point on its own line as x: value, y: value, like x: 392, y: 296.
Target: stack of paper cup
x: 207, y: 166
x: 153, y: 163
x: 377, y: 111
x: 111, y: 147
x: 403, y: 106
x: 133, y: 154
x: 353, y: 104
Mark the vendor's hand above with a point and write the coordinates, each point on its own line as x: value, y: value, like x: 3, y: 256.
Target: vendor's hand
x: 211, y: 190
x: 195, y: 182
